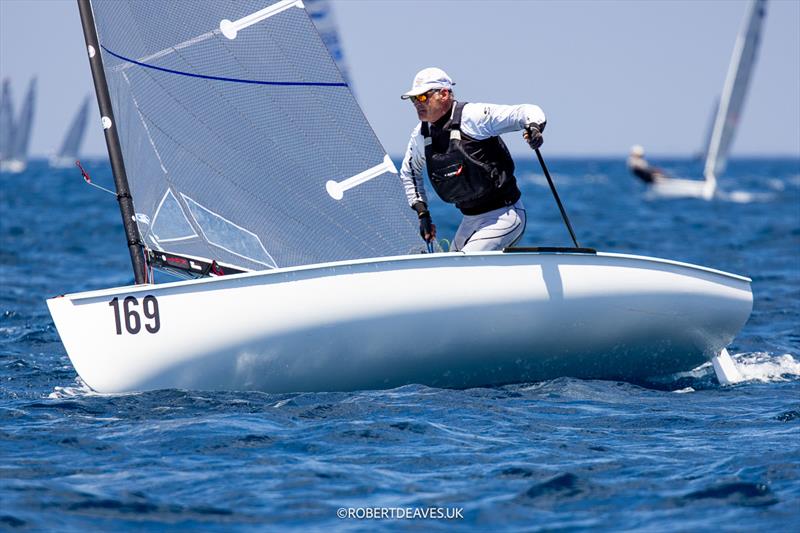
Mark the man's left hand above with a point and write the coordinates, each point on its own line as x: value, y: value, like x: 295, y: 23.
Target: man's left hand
x: 533, y: 136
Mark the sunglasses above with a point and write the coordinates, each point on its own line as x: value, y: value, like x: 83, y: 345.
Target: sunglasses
x: 424, y: 96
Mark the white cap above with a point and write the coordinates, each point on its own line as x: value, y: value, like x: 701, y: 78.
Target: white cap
x: 427, y: 79
x: 637, y: 150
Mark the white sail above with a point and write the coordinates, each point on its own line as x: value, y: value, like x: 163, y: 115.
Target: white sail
x: 6, y: 122
x: 17, y: 159
x: 712, y: 116
x: 735, y: 89
x: 70, y: 146
x: 23, y: 126
x: 232, y: 118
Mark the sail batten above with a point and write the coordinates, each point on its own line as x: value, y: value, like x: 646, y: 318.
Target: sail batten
x: 236, y: 139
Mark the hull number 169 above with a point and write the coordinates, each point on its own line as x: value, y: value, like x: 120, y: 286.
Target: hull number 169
x: 128, y: 314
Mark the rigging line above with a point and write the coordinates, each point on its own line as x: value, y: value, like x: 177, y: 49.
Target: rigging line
x: 220, y: 78
x: 88, y: 180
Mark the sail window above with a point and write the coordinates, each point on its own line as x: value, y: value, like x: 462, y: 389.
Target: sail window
x: 169, y: 222
x: 237, y: 240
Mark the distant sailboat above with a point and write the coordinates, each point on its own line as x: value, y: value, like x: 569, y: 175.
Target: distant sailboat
x: 70, y: 146
x: 728, y: 111
x: 17, y: 159
x: 735, y: 90
x: 6, y: 122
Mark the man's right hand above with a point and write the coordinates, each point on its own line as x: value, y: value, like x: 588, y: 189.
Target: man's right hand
x: 427, y: 229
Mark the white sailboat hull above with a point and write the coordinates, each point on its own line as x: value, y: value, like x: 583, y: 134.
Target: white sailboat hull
x: 13, y: 166
x: 61, y: 161
x: 445, y: 320
x: 683, y: 188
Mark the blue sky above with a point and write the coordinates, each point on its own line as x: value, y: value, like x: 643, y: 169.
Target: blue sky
x: 608, y: 74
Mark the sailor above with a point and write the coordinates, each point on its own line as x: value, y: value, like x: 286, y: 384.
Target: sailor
x: 640, y: 168
x: 468, y: 164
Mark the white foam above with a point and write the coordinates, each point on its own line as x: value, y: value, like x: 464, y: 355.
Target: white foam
x: 745, y: 197
x: 80, y: 390
x: 766, y: 368
x: 776, y: 184
x: 753, y: 366
x: 597, y: 178
x: 283, y: 402
x: 558, y: 179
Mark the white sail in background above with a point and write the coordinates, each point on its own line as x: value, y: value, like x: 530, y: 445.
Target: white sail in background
x: 735, y: 89
x: 17, y: 159
x: 6, y: 122
x: 70, y: 146
x: 703, y: 153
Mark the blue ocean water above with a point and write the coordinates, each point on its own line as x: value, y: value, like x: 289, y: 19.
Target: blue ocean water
x: 681, y: 454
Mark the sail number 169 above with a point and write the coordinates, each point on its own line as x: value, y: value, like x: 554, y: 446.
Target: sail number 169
x: 128, y: 314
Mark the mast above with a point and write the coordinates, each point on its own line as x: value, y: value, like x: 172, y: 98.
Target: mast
x: 112, y: 143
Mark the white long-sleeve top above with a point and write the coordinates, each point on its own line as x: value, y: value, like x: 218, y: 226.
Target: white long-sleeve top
x: 478, y: 121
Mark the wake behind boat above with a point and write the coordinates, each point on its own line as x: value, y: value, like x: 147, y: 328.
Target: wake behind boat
x: 277, y: 195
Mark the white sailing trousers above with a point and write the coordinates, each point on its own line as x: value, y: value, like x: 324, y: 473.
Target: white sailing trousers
x: 494, y: 230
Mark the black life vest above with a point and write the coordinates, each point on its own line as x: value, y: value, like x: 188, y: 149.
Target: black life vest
x: 477, y: 176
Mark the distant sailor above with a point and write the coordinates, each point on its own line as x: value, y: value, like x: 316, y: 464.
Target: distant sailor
x: 640, y: 168
x: 468, y: 164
